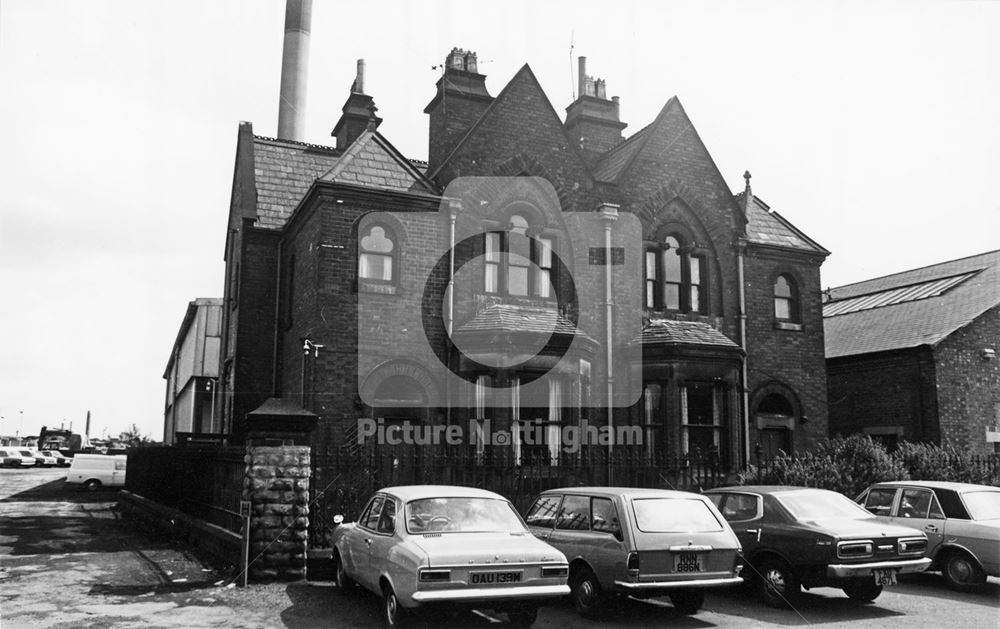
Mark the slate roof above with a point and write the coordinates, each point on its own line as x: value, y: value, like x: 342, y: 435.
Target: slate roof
x: 371, y: 161
x: 514, y: 318
x: 766, y: 227
x: 935, y: 301
x: 610, y: 166
x: 670, y: 332
x: 283, y: 172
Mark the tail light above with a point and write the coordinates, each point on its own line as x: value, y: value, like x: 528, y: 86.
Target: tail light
x: 632, y: 564
x: 555, y: 571
x: 433, y: 576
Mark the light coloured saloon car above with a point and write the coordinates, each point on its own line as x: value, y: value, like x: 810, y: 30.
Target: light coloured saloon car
x: 961, y: 521
x: 637, y: 542
x: 424, y: 546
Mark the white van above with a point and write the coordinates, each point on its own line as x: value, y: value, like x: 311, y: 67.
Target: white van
x: 94, y: 471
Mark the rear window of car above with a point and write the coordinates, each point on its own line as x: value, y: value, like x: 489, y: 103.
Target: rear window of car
x: 983, y: 505
x: 674, y: 515
x: 822, y: 505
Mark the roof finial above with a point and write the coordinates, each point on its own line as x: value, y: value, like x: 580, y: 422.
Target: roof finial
x: 747, y: 194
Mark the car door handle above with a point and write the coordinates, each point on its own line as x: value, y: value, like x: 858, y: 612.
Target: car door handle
x: 930, y: 527
x: 756, y: 532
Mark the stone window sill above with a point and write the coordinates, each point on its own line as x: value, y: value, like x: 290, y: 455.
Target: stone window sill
x: 788, y: 325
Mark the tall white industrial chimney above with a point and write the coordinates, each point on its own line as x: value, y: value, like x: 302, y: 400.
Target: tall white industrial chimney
x: 294, y: 69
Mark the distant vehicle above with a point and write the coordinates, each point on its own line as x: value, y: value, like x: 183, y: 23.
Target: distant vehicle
x: 796, y: 537
x: 43, y: 460
x: 12, y: 458
x: 94, y: 471
x: 29, y: 457
x: 426, y: 545
x: 961, y: 520
x: 60, y: 459
x: 637, y: 542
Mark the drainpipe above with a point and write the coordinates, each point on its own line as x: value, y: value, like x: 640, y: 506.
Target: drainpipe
x: 740, y: 253
x: 453, y: 209
x: 277, y: 320
x: 608, y: 213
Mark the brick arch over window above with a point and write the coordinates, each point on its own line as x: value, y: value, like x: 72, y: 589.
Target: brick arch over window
x: 394, y: 371
x: 525, y: 165
x: 766, y: 397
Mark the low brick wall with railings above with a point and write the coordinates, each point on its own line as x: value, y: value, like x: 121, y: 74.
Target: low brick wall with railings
x: 277, y: 486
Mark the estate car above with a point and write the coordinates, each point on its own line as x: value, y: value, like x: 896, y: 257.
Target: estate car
x: 637, y: 542
x: 961, y: 520
x: 796, y: 537
x: 427, y: 545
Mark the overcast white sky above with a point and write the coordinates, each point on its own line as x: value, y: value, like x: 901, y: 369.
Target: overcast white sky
x: 872, y: 126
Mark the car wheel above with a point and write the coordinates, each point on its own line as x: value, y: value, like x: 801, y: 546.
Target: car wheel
x: 523, y: 617
x: 687, y: 602
x: 392, y: 612
x: 862, y: 590
x: 92, y: 485
x: 587, y: 594
x: 779, y: 587
x: 962, y: 572
x: 344, y: 583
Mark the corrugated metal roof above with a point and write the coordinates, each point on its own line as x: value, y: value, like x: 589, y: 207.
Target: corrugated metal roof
x: 892, y: 296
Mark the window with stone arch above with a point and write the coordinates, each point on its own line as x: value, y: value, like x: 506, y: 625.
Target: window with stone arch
x: 518, y: 261
x: 377, y: 254
x: 675, y: 276
x: 786, y: 299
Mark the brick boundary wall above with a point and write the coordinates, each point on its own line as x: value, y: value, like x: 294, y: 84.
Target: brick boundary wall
x: 277, y: 485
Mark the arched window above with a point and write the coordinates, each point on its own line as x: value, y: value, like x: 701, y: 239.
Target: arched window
x: 675, y: 277
x: 518, y: 264
x: 376, y: 253
x: 786, y: 299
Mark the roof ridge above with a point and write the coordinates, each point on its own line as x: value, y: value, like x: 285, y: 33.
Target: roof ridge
x: 282, y: 141
x: 921, y: 268
x: 969, y: 272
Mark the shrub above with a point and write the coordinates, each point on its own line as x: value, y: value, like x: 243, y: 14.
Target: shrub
x: 948, y: 463
x: 847, y: 465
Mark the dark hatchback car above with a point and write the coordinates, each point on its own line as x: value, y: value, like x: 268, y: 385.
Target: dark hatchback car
x: 796, y: 537
x: 637, y: 542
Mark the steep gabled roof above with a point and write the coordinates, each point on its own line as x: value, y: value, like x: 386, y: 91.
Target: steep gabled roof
x: 283, y: 172
x: 373, y: 161
x: 919, y: 307
x: 766, y: 227
x: 611, y: 165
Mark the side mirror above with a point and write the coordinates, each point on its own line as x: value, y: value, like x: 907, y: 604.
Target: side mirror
x: 338, y: 519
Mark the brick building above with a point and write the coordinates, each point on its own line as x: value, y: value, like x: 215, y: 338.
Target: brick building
x: 912, y: 356
x: 319, y: 234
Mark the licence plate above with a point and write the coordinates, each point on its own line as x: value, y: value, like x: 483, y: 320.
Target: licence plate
x: 688, y: 562
x: 494, y: 578
x: 885, y: 576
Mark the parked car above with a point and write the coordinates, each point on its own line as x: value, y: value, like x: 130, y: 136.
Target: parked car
x: 637, y: 542
x: 11, y: 458
x: 59, y: 458
x: 94, y: 471
x: 796, y: 537
x: 962, y: 523
x: 42, y: 460
x: 431, y: 545
x: 28, y: 458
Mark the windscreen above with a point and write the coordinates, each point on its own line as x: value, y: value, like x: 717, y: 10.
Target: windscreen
x: 983, y: 505
x: 462, y: 515
x: 822, y: 505
x: 674, y: 515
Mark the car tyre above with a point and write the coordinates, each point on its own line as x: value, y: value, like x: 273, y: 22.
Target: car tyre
x: 523, y: 617
x: 92, y: 485
x: 779, y: 587
x: 687, y: 602
x: 862, y: 590
x: 344, y: 583
x: 393, y: 613
x: 588, y: 597
x: 962, y: 572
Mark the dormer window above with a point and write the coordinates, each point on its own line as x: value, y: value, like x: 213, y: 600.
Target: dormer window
x: 675, y: 277
x: 517, y: 264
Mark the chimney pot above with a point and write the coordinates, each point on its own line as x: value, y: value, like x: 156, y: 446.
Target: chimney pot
x: 359, y: 79
x: 470, y: 62
x: 581, y: 75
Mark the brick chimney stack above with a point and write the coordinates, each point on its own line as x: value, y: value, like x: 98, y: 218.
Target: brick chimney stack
x: 460, y: 100
x: 592, y: 119
x: 358, y: 113
x: 294, y: 70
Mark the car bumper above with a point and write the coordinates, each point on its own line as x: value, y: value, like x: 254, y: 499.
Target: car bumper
x: 490, y: 594
x: 847, y: 571
x: 687, y: 584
